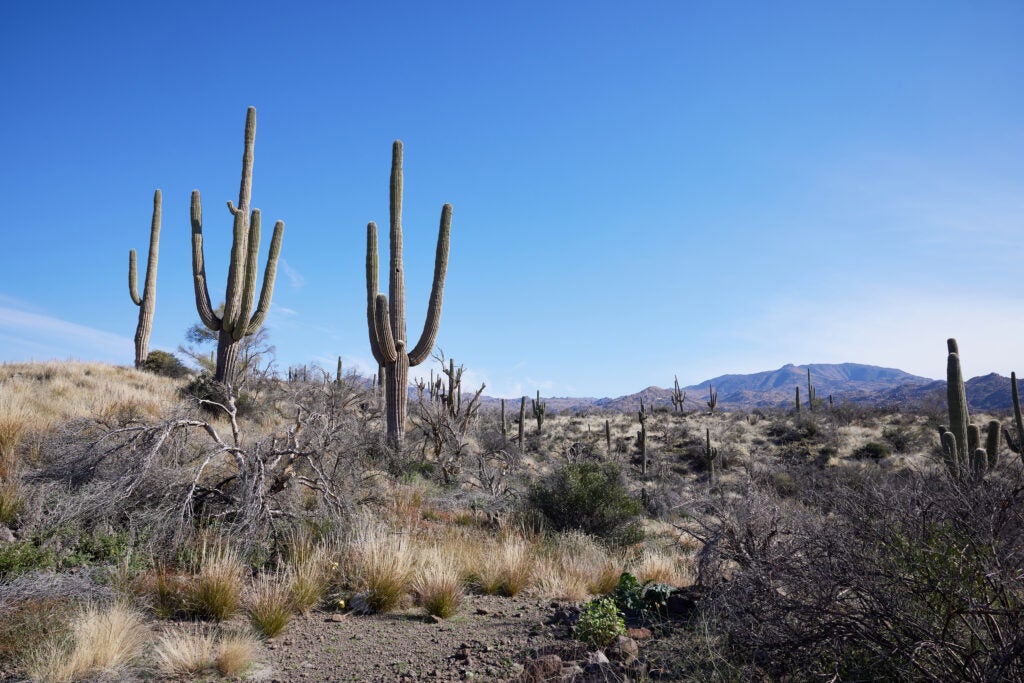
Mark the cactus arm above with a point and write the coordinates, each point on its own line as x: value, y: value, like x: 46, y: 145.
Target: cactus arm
x: 203, y: 306
x: 249, y: 274
x: 149, y: 288
x: 236, y: 271
x: 389, y: 347
x: 245, y: 187
x: 396, y: 282
x: 269, y: 277
x: 956, y: 397
x: 372, y: 270
x: 992, y: 444
x: 433, y: 322
x: 133, y: 286
x: 951, y: 456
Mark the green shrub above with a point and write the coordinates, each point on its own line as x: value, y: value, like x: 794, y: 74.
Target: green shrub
x: 872, y: 451
x: 635, y: 598
x: 600, y: 622
x: 24, y: 556
x: 165, y: 364
x: 589, y: 497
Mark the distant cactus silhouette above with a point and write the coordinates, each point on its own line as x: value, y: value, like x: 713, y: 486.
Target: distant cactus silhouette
x: 678, y: 396
x: 1015, y: 444
x: 961, y: 443
x: 147, y: 302
x: 238, y: 319
x: 712, y: 399
x: 385, y: 315
x: 540, y: 409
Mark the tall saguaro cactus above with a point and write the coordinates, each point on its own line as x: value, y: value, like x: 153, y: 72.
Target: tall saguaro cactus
x: 146, y: 302
x: 385, y: 315
x: 238, y: 319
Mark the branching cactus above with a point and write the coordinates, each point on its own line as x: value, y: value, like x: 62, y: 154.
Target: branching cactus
x: 678, y: 396
x: 540, y: 410
x: 146, y: 302
x: 238, y: 319
x: 385, y: 315
x: 963, y: 451
x: 712, y: 399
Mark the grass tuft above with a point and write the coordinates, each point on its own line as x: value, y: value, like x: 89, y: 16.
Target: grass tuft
x: 217, y: 590
x: 235, y: 653
x: 270, y: 605
x: 438, y: 585
x: 186, y: 652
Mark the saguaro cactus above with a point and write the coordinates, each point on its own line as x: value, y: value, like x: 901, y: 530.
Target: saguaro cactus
x: 540, y: 410
x: 678, y: 396
x: 1016, y: 444
x: 712, y: 400
x: 236, y: 323
x: 385, y: 315
x: 147, y: 302
x: 641, y: 436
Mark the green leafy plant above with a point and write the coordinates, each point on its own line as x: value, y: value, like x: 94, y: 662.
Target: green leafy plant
x: 600, y: 622
x: 590, y: 497
x: 633, y: 597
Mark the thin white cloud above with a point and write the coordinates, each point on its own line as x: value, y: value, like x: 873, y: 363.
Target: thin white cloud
x: 28, y: 334
x: 294, y: 276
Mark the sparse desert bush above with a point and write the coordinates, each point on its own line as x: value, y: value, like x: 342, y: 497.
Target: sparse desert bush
x: 589, y: 497
x: 874, y: 578
x: 165, y: 364
x: 599, y: 623
x: 32, y: 620
x: 872, y: 450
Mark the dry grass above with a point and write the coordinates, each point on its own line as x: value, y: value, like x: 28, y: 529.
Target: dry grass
x: 55, y: 391
x: 309, y: 573
x: 216, y: 592
x: 438, y: 584
x: 235, y: 653
x: 553, y: 581
x: 381, y: 563
x: 11, y: 499
x: 186, y: 652
x: 167, y: 589
x: 101, y: 639
x: 661, y: 567
x: 269, y: 604
x: 505, y: 568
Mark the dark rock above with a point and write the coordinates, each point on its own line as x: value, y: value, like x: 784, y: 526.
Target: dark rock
x: 623, y: 649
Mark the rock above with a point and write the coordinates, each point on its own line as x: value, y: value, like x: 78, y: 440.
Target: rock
x: 596, y: 657
x: 638, y: 633
x: 572, y: 672
x: 607, y: 671
x: 6, y: 535
x: 432, y: 619
x: 482, y: 612
x: 623, y: 649
x: 683, y: 602
x: 544, y: 668
x: 337, y: 618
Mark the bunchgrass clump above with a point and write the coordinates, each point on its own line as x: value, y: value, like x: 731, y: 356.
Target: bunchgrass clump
x: 235, y: 653
x: 381, y: 563
x: 186, y: 651
x: 270, y: 605
x: 505, y: 568
x: 216, y: 592
x: 438, y: 585
x: 101, y: 639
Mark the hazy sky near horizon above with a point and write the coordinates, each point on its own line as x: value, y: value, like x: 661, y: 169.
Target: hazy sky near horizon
x: 640, y: 189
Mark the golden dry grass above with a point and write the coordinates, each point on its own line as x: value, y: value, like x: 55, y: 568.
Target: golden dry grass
x: 380, y: 562
x: 662, y: 567
x: 216, y: 592
x: 438, y: 584
x: 235, y: 652
x: 101, y: 640
x: 186, y: 651
x: 504, y: 566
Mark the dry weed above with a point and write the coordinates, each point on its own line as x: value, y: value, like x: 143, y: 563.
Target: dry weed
x: 235, y: 653
x: 187, y: 651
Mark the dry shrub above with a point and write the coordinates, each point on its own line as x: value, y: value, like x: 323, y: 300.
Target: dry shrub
x: 438, y: 585
x: 101, y: 639
x: 167, y: 589
x: 12, y: 499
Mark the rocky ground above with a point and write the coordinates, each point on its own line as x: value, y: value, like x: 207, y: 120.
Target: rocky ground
x: 490, y: 639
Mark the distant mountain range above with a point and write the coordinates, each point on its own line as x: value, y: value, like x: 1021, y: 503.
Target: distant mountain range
x: 846, y: 382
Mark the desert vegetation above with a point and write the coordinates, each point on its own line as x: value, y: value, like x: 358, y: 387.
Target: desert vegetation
x: 158, y: 522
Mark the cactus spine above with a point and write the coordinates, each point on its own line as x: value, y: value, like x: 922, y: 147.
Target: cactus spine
x: 147, y: 302
x: 540, y: 409
x: 385, y: 315
x: 238, y: 319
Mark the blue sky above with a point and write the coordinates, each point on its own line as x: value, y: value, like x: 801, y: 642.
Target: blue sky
x: 639, y: 189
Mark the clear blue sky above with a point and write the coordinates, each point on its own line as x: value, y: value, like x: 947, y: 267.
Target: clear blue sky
x: 639, y: 189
